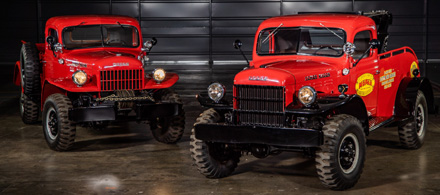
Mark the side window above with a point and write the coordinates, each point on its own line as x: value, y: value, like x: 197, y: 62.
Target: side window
x: 361, y: 41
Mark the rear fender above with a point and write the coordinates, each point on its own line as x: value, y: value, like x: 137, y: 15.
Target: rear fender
x: 407, y: 94
x: 17, y: 69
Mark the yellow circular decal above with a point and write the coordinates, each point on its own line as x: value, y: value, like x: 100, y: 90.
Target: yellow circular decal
x: 365, y: 84
x: 413, y: 67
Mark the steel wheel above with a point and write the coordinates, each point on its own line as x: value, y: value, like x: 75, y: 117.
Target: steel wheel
x: 348, y: 153
x: 52, y: 123
x: 420, y: 120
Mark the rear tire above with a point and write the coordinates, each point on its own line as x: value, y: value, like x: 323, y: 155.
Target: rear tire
x: 28, y: 110
x: 340, y: 160
x: 168, y: 130
x: 214, y: 160
x: 58, y: 130
x: 30, y: 71
x: 412, y: 135
x: 30, y: 83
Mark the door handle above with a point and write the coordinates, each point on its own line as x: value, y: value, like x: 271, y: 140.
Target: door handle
x: 377, y: 71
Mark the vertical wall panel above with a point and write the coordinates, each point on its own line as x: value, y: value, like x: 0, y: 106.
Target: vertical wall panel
x: 295, y: 7
x: 126, y: 8
x: 434, y: 29
x: 203, y: 30
x: 407, y: 28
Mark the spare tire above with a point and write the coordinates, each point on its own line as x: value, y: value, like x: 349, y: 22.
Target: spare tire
x: 30, y: 71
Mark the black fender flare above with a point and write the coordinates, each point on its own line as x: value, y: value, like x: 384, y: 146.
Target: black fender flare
x: 406, y: 96
x: 206, y: 102
x: 352, y: 105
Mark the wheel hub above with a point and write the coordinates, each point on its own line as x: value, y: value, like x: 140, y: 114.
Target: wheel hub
x: 52, y: 123
x: 420, y: 117
x: 348, y: 153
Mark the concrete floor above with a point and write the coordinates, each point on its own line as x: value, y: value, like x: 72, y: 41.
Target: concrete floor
x: 125, y: 159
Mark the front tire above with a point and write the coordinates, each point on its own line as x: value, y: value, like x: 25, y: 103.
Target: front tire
x: 340, y: 160
x: 58, y: 130
x: 214, y: 160
x: 412, y: 135
x: 168, y: 130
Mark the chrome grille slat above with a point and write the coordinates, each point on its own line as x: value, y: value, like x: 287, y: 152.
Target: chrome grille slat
x: 260, y: 105
x: 112, y: 80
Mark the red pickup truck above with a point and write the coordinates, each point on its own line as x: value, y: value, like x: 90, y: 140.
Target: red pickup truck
x: 91, y: 71
x: 318, y: 83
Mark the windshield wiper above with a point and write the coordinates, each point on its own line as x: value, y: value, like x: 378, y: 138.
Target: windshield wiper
x: 272, y: 33
x: 331, y: 31
x: 121, y: 26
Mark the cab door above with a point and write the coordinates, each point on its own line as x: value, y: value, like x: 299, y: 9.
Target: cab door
x: 365, y: 74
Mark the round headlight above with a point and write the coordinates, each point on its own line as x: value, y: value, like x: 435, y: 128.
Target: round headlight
x: 159, y: 75
x: 79, y: 77
x: 216, y: 91
x: 307, y: 95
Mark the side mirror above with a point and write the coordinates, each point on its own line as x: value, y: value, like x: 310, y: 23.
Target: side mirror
x: 50, y: 40
x: 374, y: 43
x: 237, y: 44
x: 349, y: 48
x: 154, y: 40
x: 149, y: 44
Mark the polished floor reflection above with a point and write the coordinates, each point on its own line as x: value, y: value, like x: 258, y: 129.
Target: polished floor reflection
x: 125, y: 159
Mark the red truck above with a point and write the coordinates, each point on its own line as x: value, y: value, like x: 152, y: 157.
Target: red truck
x: 91, y: 71
x: 319, y: 84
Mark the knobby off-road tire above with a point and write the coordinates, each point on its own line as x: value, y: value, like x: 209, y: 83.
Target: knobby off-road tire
x: 413, y: 133
x: 58, y: 130
x: 28, y: 110
x: 168, y: 129
x: 30, y: 71
x: 30, y: 83
x: 340, y: 160
x: 214, y: 160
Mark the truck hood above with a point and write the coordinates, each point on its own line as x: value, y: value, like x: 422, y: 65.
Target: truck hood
x: 283, y: 73
x: 102, y: 59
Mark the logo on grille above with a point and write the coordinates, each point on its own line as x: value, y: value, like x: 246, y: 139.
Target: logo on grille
x: 121, y: 64
x: 258, y: 78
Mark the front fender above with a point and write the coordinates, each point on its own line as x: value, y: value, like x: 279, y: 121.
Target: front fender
x: 352, y: 105
x: 68, y: 85
x: 170, y: 80
x: 206, y: 102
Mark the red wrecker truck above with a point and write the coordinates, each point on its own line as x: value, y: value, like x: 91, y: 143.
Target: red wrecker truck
x: 91, y: 71
x: 318, y: 83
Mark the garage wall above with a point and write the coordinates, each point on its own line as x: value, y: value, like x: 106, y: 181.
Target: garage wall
x: 201, y: 32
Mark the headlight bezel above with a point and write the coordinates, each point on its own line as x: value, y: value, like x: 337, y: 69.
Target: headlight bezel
x: 220, y: 88
x: 312, y: 91
x: 158, y: 80
x: 75, y: 80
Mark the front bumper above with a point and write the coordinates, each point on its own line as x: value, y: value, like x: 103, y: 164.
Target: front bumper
x: 239, y: 134
x: 143, y: 111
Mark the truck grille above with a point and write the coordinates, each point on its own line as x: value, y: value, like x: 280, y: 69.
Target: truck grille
x: 121, y: 79
x: 259, y: 105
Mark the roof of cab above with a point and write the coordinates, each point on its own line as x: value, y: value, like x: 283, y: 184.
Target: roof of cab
x: 344, y: 21
x: 64, y: 21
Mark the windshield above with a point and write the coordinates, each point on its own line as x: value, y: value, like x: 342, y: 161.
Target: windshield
x: 301, y: 41
x: 87, y: 36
